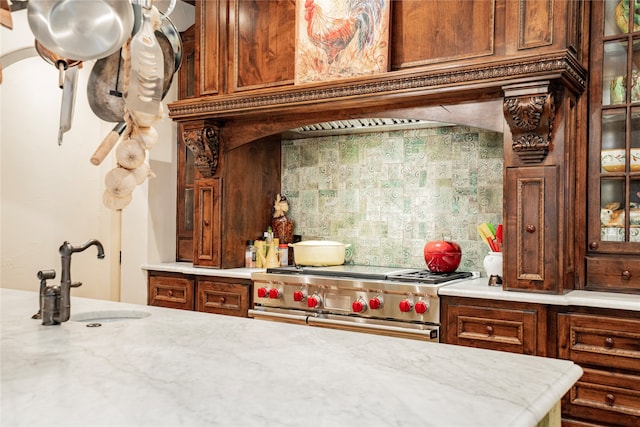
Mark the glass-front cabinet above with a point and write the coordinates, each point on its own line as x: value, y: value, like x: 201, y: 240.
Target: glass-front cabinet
x: 614, y: 147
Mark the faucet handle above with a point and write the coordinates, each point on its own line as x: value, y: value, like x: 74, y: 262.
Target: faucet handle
x: 46, y: 274
x: 43, y: 275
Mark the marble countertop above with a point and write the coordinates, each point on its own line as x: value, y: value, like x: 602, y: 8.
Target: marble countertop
x: 179, y: 367
x: 478, y: 288
x: 473, y: 288
x: 188, y: 268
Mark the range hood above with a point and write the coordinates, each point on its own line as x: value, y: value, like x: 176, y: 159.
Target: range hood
x: 342, y: 127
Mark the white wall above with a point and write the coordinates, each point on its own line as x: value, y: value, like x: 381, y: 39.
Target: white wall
x: 52, y: 193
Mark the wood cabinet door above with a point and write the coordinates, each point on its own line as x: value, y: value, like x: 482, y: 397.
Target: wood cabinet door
x: 531, y: 239
x: 613, y: 233
x: 206, y: 236
x: 210, y: 36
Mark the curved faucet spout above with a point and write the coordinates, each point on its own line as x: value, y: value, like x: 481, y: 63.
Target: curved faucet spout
x: 65, y: 280
x: 67, y: 249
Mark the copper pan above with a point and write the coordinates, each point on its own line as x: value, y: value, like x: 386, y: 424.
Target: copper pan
x: 57, y: 61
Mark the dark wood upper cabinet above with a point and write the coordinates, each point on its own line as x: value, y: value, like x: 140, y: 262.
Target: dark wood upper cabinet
x: 532, y: 56
x: 262, y: 44
x: 613, y: 258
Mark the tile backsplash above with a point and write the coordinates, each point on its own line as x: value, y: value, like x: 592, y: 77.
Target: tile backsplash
x: 388, y: 193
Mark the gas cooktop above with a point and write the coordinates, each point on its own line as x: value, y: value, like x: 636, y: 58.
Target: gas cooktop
x: 374, y: 273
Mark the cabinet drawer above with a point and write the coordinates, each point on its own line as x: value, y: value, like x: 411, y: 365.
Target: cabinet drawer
x: 493, y: 328
x: 615, y: 396
x: 171, y: 292
x: 223, y: 298
x: 600, y: 340
x: 613, y: 274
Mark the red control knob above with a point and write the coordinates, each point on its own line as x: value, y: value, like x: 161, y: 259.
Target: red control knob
x: 375, y: 303
x: 263, y: 292
x: 274, y: 293
x: 313, y: 301
x: 421, y: 307
x: 405, y: 306
x: 298, y: 296
x: 359, y: 306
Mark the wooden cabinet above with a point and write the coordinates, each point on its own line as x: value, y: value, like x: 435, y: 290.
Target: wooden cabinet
x: 607, y: 347
x: 531, y: 200
x: 187, y: 86
x: 216, y: 295
x: 613, y: 247
x: 211, y: 54
x: 207, y: 243
x: 531, y: 54
x: 170, y: 290
x: 494, y: 325
x: 211, y: 294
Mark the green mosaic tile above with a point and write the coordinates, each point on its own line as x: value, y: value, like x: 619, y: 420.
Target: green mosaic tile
x: 390, y: 192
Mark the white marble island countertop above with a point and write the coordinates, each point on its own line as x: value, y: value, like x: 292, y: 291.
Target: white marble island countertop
x: 197, y: 369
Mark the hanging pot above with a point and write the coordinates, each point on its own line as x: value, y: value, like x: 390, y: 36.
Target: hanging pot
x: 105, y: 85
x: 81, y: 29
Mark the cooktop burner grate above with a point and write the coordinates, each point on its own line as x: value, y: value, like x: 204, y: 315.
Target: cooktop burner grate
x: 375, y: 273
x: 426, y: 276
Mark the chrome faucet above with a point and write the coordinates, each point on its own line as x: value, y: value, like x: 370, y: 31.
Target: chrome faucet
x: 55, y: 300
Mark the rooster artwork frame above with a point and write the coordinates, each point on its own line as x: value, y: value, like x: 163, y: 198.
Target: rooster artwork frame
x: 341, y: 38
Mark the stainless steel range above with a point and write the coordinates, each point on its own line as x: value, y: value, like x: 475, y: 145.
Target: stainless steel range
x: 381, y: 300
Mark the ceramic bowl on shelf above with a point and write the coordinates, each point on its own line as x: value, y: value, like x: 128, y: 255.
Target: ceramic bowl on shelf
x: 634, y: 159
x: 613, y: 160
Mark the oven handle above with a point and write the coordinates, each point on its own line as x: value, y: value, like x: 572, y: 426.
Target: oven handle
x: 430, y: 333
x: 281, y: 316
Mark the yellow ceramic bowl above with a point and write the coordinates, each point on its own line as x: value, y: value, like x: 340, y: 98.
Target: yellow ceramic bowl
x: 613, y: 160
x: 635, y: 159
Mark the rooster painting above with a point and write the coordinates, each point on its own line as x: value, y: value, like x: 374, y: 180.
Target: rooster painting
x: 341, y: 38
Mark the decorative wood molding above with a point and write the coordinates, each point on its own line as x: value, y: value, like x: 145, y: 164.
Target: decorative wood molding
x: 402, y: 84
x: 530, y: 117
x: 204, y: 143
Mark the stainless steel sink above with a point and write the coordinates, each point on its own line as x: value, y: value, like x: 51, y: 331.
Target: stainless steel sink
x: 105, y: 316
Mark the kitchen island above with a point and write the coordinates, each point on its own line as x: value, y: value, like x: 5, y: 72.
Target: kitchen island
x: 178, y: 367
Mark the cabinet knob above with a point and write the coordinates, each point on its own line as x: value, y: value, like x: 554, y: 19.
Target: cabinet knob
x: 170, y: 292
x: 608, y: 342
x: 626, y: 275
x: 530, y: 228
x: 221, y: 300
x: 594, y: 245
x: 206, y: 222
x: 610, y: 399
x: 489, y: 329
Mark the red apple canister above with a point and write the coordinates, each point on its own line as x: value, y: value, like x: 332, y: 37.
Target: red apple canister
x: 442, y: 256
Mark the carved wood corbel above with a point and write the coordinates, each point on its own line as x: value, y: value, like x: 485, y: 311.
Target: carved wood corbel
x: 530, y: 112
x: 204, y: 143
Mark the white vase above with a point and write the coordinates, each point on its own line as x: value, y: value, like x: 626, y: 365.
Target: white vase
x: 493, y: 267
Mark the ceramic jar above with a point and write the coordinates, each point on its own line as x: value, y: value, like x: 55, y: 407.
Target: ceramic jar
x: 493, y: 267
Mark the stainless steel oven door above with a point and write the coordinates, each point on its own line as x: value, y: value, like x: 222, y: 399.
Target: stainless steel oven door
x: 416, y: 331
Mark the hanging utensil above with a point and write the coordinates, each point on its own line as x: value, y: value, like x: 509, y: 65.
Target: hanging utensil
x: 68, y: 101
x: 81, y: 29
x: 147, y: 67
x: 105, y: 85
